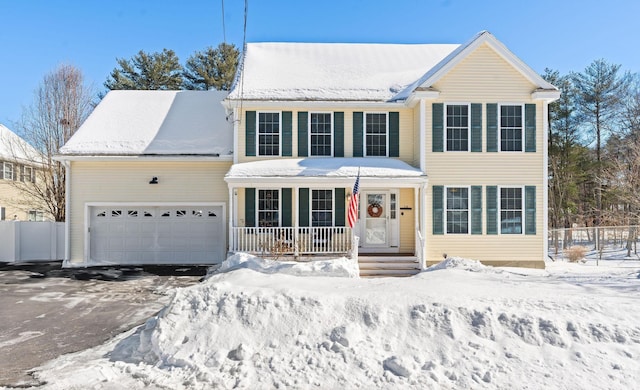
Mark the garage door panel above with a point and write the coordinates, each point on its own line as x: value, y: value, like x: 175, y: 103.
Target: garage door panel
x: 157, y: 235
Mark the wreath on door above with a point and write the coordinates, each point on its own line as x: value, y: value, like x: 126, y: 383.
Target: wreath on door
x: 374, y: 210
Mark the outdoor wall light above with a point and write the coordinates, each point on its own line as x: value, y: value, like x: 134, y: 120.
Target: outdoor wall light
x: 154, y: 180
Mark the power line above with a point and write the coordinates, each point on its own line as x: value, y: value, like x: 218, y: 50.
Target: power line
x: 224, y: 29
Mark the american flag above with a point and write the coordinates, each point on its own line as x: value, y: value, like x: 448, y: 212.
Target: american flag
x: 352, y: 215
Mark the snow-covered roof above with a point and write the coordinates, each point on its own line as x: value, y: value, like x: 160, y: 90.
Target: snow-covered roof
x: 335, y: 169
x: 333, y: 71
x: 127, y: 123
x: 14, y: 148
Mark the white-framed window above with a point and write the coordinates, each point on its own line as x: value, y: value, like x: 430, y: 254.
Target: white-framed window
x: 268, y: 208
x: 511, y: 210
x: 320, y: 134
x: 268, y: 133
x: 511, y: 127
x: 35, y: 215
x: 457, y: 210
x: 7, y: 171
x: 376, y: 134
x: 28, y: 174
x: 457, y: 127
x: 321, y: 207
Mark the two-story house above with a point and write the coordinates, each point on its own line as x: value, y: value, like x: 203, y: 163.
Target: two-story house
x: 448, y: 143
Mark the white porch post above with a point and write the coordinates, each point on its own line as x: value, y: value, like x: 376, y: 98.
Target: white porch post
x: 296, y: 230
x: 232, y: 215
x: 423, y: 223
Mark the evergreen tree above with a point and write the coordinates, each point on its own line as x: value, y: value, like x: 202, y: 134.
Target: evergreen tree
x: 212, y: 68
x: 155, y: 71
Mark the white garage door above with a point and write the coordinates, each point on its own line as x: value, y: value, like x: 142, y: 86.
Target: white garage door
x: 156, y: 235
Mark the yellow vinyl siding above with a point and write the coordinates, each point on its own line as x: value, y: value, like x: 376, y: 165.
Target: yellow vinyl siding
x: 409, y: 153
x: 16, y: 202
x: 128, y: 182
x: 485, y: 77
x: 407, y: 220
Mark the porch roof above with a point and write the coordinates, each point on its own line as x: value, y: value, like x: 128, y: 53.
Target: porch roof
x: 374, y: 171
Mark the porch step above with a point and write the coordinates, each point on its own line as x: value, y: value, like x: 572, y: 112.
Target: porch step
x: 388, y: 266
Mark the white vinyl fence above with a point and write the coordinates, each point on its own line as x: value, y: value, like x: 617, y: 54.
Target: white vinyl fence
x: 31, y: 241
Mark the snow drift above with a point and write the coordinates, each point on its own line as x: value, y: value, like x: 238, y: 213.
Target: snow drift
x: 462, y: 325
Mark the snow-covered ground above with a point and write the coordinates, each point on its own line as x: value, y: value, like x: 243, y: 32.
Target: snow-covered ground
x: 262, y: 325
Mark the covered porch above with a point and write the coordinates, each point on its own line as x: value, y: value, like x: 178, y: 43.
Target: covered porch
x: 298, y: 207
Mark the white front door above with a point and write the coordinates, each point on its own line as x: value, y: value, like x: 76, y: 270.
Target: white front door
x: 375, y: 216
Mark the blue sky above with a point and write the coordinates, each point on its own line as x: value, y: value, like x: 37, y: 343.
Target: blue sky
x: 38, y: 35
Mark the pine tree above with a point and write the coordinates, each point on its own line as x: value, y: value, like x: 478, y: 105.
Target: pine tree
x: 212, y: 68
x: 155, y: 71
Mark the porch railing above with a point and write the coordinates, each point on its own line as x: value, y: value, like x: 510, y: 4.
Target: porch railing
x: 275, y: 241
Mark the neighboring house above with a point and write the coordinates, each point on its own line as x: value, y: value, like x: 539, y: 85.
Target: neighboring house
x: 18, y: 171
x: 449, y: 142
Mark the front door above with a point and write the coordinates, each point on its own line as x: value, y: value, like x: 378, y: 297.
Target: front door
x: 375, y: 214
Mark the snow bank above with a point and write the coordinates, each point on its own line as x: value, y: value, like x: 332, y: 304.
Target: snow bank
x: 445, y: 329
x: 458, y: 263
x: 341, y: 267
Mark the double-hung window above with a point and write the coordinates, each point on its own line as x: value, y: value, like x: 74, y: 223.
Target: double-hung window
x: 511, y: 129
x: 376, y: 134
x: 320, y: 134
x: 457, y: 210
x: 8, y: 171
x: 268, y: 208
x: 511, y: 210
x: 28, y: 175
x: 321, y: 208
x: 35, y: 215
x: 457, y: 120
x: 269, y: 134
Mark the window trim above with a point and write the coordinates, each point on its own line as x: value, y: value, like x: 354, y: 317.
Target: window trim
x: 444, y: 126
x: 446, y: 209
x: 257, y: 215
x: 522, y: 133
x: 522, y: 210
x: 35, y: 213
x: 364, y: 132
x: 279, y: 133
x: 4, y: 170
x: 31, y: 178
x: 333, y: 206
x: 332, y: 133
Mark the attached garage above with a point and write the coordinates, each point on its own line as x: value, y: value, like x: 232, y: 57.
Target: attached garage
x: 135, y: 234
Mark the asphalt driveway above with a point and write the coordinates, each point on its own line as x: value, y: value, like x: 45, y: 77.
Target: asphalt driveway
x: 46, y: 311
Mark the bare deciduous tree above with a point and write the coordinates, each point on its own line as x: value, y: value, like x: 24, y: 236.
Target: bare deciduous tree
x: 61, y: 103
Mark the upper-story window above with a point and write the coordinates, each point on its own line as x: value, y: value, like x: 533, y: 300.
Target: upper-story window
x: 511, y: 128
x: 28, y: 174
x: 457, y: 120
x: 511, y: 210
x: 268, y: 134
x: 268, y: 208
x: 457, y: 210
x: 376, y: 134
x: 320, y: 134
x: 7, y: 171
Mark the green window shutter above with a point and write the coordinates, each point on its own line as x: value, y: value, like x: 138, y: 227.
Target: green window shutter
x: 286, y: 134
x: 437, y: 127
x: 303, y: 135
x: 286, y: 207
x: 529, y: 127
x: 338, y: 134
x: 492, y: 127
x: 250, y: 133
x: 476, y: 127
x: 492, y: 210
x: 339, y: 197
x: 530, y: 210
x: 476, y: 209
x: 358, y: 141
x: 250, y: 207
x: 394, y: 134
x: 438, y: 210
x: 303, y: 209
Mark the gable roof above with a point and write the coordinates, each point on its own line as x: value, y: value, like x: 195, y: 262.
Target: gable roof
x: 133, y: 123
x: 14, y: 148
x: 332, y: 71
x: 356, y: 72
